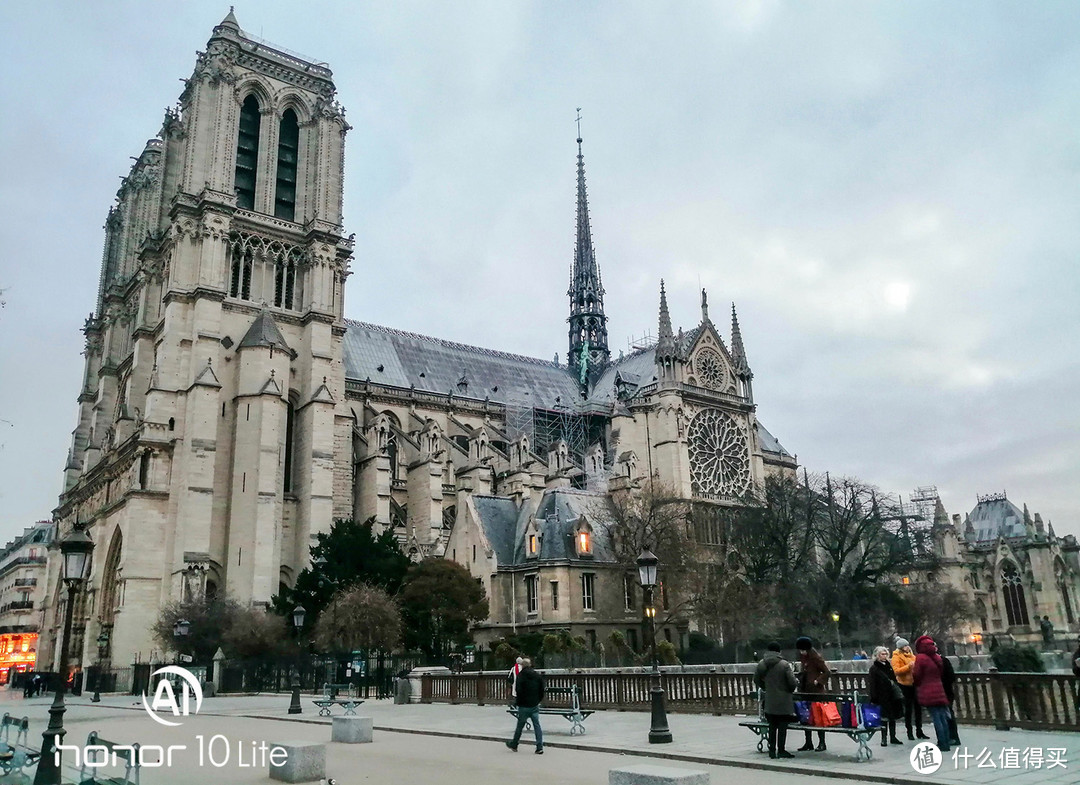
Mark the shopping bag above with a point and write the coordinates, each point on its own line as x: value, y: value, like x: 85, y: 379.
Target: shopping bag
x: 871, y: 715
x: 802, y: 709
x: 847, y: 714
x: 824, y: 715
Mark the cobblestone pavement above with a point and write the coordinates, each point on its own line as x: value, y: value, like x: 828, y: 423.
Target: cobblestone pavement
x: 464, y: 744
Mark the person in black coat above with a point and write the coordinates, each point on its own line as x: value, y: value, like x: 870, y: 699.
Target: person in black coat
x: 948, y: 681
x: 775, y: 677
x: 530, y: 692
x: 885, y: 692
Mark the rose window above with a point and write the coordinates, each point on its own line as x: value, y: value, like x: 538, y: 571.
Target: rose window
x: 719, y: 456
x: 711, y: 370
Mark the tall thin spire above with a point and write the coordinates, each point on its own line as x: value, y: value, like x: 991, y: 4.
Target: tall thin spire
x: 665, y: 343
x: 588, y: 323
x: 738, y: 354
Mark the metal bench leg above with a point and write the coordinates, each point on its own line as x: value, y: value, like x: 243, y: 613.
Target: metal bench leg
x: 350, y: 708
x: 863, y: 752
x: 763, y: 736
x: 578, y: 727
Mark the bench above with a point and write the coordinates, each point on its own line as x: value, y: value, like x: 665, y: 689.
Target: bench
x: 860, y: 734
x: 15, y: 757
x: 574, y: 713
x: 90, y: 772
x: 330, y: 698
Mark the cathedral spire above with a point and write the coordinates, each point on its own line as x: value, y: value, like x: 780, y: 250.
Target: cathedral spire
x: 738, y: 352
x: 588, y: 323
x: 665, y: 343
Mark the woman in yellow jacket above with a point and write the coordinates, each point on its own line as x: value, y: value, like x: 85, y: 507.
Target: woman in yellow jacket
x: 903, y: 664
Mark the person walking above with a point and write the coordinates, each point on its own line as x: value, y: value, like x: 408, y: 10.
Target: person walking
x: 928, y: 675
x: 529, y: 693
x: 813, y: 678
x: 886, y: 693
x: 775, y: 676
x: 903, y: 661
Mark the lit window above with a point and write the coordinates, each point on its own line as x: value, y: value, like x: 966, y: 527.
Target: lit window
x: 532, y: 544
x: 584, y: 545
x: 905, y: 580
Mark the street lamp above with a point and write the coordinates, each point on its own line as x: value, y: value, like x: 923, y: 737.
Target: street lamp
x: 976, y: 638
x: 298, y: 623
x: 75, y: 550
x: 102, y: 642
x: 659, y: 733
x: 836, y: 621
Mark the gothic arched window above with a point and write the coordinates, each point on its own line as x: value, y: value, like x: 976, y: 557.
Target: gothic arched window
x: 1012, y: 586
x: 247, y: 153
x: 288, y: 154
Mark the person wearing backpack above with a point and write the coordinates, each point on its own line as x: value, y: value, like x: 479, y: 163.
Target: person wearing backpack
x: 775, y: 676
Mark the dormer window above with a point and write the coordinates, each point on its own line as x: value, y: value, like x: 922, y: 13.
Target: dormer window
x: 534, y: 545
x: 583, y: 543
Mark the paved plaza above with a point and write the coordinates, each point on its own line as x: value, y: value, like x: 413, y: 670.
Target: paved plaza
x: 463, y: 744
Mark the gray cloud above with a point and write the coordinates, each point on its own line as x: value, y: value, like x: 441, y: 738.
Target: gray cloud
x: 888, y: 191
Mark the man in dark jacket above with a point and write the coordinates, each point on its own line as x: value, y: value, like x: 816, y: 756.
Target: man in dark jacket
x: 775, y: 677
x: 530, y: 692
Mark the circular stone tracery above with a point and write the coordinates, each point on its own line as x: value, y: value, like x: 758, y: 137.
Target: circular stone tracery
x: 719, y: 457
x: 711, y: 369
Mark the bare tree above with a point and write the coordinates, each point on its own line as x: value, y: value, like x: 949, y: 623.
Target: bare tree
x: 359, y: 617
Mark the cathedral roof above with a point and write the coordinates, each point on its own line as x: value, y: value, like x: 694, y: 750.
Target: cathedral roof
x: 264, y: 332
x: 407, y: 360
x: 995, y: 516
x: 557, y: 517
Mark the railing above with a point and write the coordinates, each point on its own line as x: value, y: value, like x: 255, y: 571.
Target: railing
x: 26, y: 581
x: 1033, y: 701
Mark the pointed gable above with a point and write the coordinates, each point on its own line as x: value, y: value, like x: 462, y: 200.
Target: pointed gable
x: 264, y: 332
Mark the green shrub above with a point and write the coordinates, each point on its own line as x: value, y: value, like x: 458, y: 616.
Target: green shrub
x: 553, y: 644
x: 665, y: 650
x: 1018, y: 659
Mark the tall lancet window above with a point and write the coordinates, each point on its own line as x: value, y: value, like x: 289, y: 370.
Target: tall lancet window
x: 1012, y: 586
x: 288, y: 149
x: 247, y: 153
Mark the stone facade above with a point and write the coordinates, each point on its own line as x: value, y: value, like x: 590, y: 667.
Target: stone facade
x: 22, y: 587
x: 229, y: 412
x: 1014, y: 569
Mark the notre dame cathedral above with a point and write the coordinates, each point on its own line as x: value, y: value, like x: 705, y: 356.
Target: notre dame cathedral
x: 229, y: 411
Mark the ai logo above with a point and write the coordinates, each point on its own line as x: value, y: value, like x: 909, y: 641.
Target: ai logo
x: 165, y: 695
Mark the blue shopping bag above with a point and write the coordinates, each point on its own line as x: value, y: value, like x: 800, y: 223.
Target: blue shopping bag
x: 802, y: 709
x: 871, y: 715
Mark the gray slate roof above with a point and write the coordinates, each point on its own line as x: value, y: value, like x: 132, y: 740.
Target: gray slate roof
x: 557, y: 518
x: 264, y: 332
x: 997, y: 517
x: 499, y: 376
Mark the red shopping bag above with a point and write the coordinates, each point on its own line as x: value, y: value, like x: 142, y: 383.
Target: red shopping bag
x: 824, y: 715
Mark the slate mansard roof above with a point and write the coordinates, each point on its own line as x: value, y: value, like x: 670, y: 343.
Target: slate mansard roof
x: 397, y: 358
x: 557, y: 518
x: 997, y: 517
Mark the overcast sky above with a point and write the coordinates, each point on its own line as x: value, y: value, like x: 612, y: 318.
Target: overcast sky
x: 888, y: 191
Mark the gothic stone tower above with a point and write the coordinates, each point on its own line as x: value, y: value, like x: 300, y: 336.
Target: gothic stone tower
x: 212, y: 439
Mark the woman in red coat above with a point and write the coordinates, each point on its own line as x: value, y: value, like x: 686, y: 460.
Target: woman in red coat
x: 929, y: 672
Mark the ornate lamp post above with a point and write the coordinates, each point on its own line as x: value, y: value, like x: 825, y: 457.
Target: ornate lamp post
x: 298, y: 624
x: 75, y: 550
x: 102, y: 642
x: 836, y: 621
x: 659, y: 733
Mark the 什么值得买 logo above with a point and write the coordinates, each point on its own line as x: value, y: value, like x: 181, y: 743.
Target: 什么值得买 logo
x: 165, y: 697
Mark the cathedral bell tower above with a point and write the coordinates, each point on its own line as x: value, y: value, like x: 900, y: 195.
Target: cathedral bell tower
x: 588, y: 323
x: 212, y: 408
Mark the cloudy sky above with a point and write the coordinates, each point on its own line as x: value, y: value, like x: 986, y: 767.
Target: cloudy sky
x: 888, y: 191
